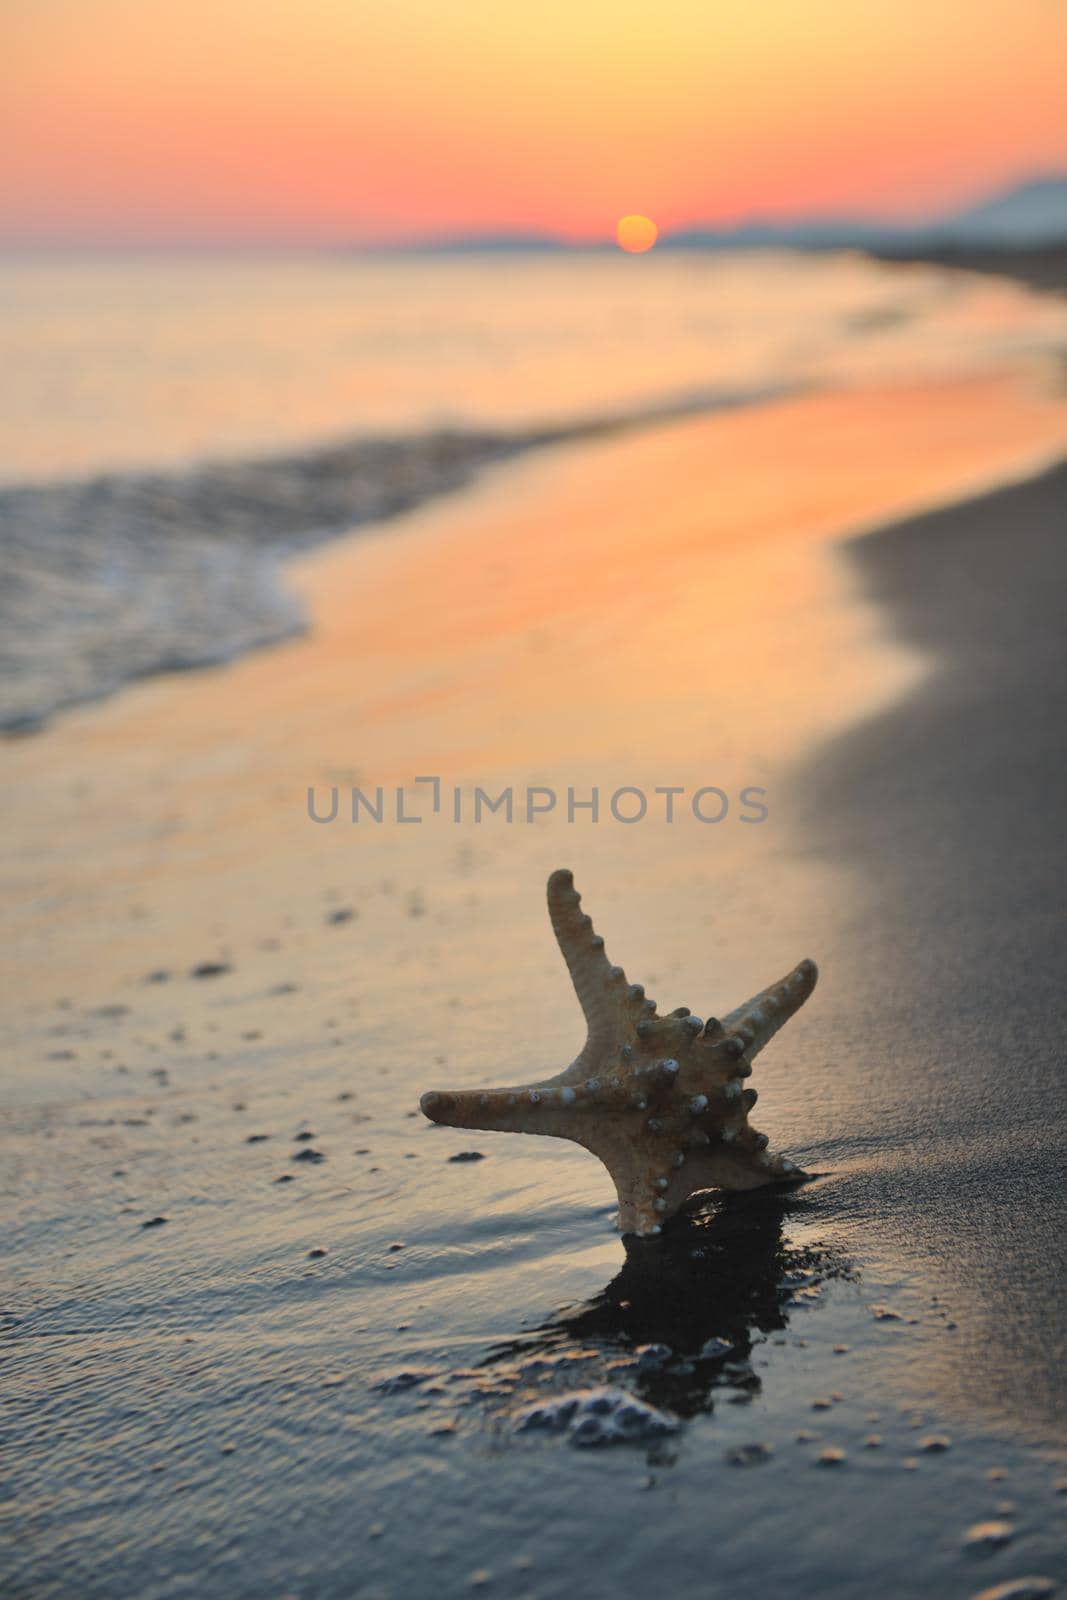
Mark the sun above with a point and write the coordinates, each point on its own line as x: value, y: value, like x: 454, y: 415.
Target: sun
x: 636, y: 233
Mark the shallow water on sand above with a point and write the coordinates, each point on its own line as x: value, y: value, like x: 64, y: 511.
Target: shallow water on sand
x: 210, y: 1405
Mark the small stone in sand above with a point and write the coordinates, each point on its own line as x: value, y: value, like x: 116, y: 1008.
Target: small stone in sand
x: 210, y: 969
x: 317, y: 1253
x: 468, y: 1155
x: 155, y: 1222
x: 934, y: 1442
x: 398, y: 1382
x: 750, y: 1455
x: 982, y: 1536
x: 286, y: 1177
x: 396, y: 1245
x: 831, y: 1457
x: 308, y: 1154
x: 257, y: 1138
x: 1019, y: 1589
x: 342, y: 914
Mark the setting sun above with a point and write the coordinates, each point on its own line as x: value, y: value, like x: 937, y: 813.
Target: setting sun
x: 636, y: 233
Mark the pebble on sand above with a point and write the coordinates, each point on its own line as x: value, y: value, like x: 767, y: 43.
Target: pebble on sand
x: 832, y: 1456
x: 308, y: 1154
x: 991, y: 1535
x: 155, y: 1222
x: 468, y: 1155
x: 318, y: 1252
x: 750, y: 1455
x: 210, y: 969
x: 1019, y: 1589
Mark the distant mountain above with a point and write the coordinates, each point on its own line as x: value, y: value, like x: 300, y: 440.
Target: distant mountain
x: 478, y: 244
x: 1026, y: 215
x: 1030, y: 214
x: 815, y: 233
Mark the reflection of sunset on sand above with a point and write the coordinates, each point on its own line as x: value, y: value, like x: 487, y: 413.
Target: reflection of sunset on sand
x: 664, y: 607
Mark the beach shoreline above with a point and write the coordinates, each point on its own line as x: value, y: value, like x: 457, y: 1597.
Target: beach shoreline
x: 1039, y: 267
x: 121, y: 572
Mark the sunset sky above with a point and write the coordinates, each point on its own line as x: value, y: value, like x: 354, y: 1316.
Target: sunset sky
x: 322, y: 120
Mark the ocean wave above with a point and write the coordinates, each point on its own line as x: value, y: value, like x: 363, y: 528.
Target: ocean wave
x: 116, y: 577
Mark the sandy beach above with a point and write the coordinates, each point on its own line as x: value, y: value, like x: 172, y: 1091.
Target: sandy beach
x: 266, y: 1334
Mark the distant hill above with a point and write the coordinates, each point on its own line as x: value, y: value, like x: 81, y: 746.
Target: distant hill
x: 488, y: 243
x: 1026, y: 215
x: 1033, y: 213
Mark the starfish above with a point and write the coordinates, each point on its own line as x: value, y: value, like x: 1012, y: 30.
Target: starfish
x: 660, y: 1100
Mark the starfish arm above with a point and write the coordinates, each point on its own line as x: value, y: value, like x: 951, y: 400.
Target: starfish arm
x: 526, y: 1108
x: 605, y: 998
x: 757, y: 1021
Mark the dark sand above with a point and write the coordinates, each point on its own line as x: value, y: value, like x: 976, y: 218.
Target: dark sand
x: 950, y: 809
x: 1040, y: 267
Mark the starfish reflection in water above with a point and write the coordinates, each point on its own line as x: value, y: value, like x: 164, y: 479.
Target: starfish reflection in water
x: 660, y: 1100
x: 681, y: 1318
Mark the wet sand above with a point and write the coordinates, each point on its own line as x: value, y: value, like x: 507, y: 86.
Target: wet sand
x: 946, y: 810
x: 311, y: 1376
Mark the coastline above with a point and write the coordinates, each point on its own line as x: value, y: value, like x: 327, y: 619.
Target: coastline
x: 122, y: 574
x: 1043, y: 268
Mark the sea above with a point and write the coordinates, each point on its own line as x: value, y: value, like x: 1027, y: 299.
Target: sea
x: 170, y: 426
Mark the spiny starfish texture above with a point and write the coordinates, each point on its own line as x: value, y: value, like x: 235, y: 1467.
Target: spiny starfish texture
x: 660, y: 1100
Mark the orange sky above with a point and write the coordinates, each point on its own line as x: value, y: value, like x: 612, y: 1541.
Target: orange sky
x: 343, y: 119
